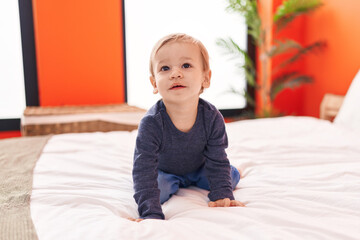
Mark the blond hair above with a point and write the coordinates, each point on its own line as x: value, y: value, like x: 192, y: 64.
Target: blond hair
x: 180, y: 37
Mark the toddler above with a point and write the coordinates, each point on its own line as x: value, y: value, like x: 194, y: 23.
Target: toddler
x: 182, y: 139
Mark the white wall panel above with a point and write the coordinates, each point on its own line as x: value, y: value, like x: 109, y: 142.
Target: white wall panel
x: 12, y: 91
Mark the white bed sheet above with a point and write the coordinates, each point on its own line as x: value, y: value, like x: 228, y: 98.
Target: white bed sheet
x: 301, y: 180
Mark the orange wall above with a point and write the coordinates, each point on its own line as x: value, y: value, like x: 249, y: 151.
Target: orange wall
x: 79, y: 50
x: 338, y: 23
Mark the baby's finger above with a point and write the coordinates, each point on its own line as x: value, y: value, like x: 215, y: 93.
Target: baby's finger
x: 226, y: 202
x: 212, y: 204
x: 235, y: 203
x: 135, y: 219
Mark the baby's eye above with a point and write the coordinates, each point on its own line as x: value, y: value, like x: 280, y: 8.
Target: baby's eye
x: 186, y: 65
x: 164, y: 68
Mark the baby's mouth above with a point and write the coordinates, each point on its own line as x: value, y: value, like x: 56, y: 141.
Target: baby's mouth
x: 177, y: 86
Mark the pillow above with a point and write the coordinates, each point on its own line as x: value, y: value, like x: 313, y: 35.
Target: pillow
x: 349, y: 113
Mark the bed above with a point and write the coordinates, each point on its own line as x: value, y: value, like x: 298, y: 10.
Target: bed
x: 300, y: 180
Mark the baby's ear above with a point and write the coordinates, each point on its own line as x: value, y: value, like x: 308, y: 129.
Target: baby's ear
x: 153, y: 83
x: 207, y: 78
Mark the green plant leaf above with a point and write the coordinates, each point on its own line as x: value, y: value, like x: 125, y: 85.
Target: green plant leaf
x: 283, y: 47
x: 235, y: 91
x: 302, y: 51
x: 250, y: 78
x: 249, y: 99
x: 233, y: 48
x: 288, y: 80
x: 290, y: 9
x: 249, y: 10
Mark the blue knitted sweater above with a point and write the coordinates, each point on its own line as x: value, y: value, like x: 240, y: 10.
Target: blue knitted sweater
x: 160, y: 145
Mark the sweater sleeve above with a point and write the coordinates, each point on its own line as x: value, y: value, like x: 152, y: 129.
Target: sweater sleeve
x: 148, y: 145
x: 217, y: 164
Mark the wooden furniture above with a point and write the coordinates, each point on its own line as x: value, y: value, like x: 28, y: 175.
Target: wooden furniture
x: 330, y: 106
x: 76, y: 119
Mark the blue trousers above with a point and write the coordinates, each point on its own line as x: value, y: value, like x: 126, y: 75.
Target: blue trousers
x: 169, y: 184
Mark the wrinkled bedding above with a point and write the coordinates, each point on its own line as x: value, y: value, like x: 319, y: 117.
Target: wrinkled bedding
x: 301, y: 180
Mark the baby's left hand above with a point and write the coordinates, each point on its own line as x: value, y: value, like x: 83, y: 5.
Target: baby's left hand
x: 226, y: 202
x: 135, y: 219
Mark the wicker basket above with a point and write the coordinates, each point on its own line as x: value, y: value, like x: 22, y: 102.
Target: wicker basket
x: 93, y: 125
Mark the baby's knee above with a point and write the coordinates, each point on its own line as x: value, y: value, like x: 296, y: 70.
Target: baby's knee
x: 168, y: 185
x: 167, y: 182
x: 164, y: 184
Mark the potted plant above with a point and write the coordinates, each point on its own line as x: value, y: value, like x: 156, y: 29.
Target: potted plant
x: 285, y: 13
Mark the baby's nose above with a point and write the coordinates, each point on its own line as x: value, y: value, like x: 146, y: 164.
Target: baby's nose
x: 176, y: 73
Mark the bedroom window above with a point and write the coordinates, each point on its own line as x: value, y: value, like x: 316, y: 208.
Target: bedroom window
x: 12, y: 91
x: 148, y: 21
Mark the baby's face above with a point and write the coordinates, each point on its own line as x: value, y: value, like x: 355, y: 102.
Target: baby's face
x: 178, y: 72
